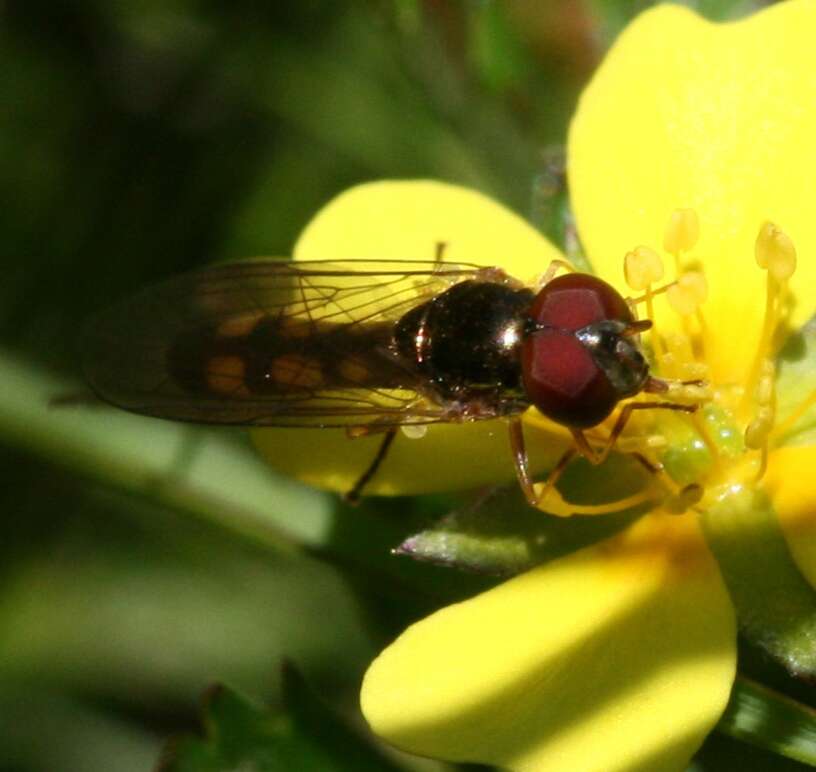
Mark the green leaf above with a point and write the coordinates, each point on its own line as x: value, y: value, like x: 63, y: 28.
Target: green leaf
x: 213, y: 475
x: 767, y: 719
x: 305, y: 736
x: 776, y: 606
x: 499, y: 533
x: 499, y: 56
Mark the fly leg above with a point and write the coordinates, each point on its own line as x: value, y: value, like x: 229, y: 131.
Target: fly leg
x: 596, y: 457
x: 552, y: 269
x: 545, y: 497
x: 353, y: 496
x: 676, y: 499
x: 520, y: 461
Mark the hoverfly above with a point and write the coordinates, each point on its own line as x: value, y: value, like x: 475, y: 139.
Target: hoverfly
x: 373, y: 346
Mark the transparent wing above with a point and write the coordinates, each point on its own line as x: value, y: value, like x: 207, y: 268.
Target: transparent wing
x: 270, y: 343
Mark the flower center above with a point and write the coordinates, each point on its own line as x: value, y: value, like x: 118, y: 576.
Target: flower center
x: 724, y: 445
x: 695, y: 457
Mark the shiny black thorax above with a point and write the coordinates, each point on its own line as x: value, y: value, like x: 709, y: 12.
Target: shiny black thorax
x: 465, y: 343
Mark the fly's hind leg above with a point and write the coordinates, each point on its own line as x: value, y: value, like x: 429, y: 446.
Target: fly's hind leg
x: 389, y: 433
x: 520, y: 461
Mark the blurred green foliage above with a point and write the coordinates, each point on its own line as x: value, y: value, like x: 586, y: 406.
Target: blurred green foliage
x: 306, y: 736
x: 143, y: 561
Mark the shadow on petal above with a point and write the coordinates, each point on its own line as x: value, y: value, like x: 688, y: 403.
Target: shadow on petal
x: 607, y: 659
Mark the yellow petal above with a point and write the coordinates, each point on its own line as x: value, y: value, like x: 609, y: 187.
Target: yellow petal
x: 406, y: 220
x: 447, y: 458
x: 716, y: 117
x: 789, y: 483
x: 618, y: 657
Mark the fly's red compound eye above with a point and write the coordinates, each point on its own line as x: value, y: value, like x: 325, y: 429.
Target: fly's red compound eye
x: 572, y: 378
x: 574, y: 300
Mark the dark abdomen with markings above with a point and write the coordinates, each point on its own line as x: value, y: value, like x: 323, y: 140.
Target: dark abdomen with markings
x: 266, y: 355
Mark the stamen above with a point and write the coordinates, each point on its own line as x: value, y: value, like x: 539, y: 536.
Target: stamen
x: 688, y: 293
x: 686, y: 298
x: 758, y: 431
x: 684, y: 500
x: 679, y: 360
x: 774, y: 252
x: 690, y: 290
x: 642, y: 267
x: 688, y: 393
x: 681, y: 234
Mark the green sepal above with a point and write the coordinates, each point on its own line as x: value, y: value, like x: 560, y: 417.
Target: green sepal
x: 764, y: 718
x: 304, y: 736
x: 775, y: 604
x: 498, y: 533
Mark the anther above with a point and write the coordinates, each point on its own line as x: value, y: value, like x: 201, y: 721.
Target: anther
x: 756, y: 433
x: 765, y: 387
x: 758, y: 430
x: 682, y: 231
x: 679, y: 361
x: 688, y: 293
x: 684, y: 499
x: 692, y: 392
x: 642, y: 267
x: 775, y: 252
x: 688, y: 393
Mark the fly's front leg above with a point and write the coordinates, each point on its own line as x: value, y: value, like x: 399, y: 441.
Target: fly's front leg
x: 552, y: 269
x: 596, y: 457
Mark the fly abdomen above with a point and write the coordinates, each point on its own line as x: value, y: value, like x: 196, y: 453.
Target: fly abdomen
x: 278, y: 356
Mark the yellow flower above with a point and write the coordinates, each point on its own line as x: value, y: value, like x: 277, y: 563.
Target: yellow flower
x: 692, y: 137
